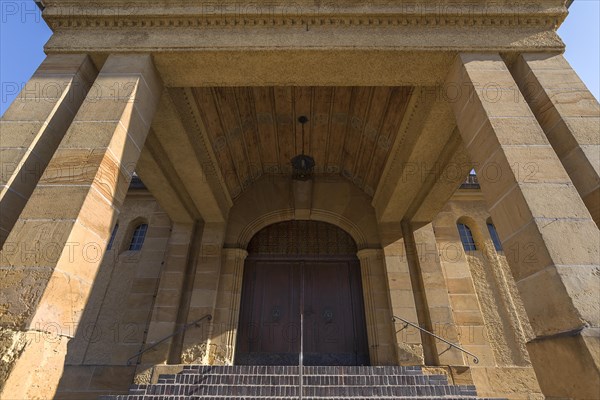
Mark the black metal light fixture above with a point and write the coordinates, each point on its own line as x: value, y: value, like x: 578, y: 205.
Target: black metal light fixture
x: 302, y: 165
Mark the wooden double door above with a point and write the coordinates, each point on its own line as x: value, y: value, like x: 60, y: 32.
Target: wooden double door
x: 316, y: 302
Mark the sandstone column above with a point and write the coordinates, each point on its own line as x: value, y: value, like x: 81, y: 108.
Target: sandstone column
x: 227, y: 309
x: 416, y: 278
x: 570, y: 117
x: 167, y: 302
x: 402, y: 302
x: 437, y: 296
x: 548, y: 235
x: 51, y: 256
x: 198, y: 346
x: 34, y: 125
x: 380, y: 328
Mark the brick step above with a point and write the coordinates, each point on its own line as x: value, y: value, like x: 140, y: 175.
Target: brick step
x: 328, y: 380
x: 124, y: 397
x: 293, y: 370
x: 196, y: 382
x: 316, y: 391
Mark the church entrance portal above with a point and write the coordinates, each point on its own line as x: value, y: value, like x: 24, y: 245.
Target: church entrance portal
x: 302, y: 292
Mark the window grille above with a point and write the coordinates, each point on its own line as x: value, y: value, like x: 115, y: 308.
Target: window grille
x: 137, y: 240
x: 466, y: 237
x: 494, y: 235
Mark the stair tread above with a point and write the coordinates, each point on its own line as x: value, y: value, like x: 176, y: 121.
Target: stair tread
x: 281, y: 382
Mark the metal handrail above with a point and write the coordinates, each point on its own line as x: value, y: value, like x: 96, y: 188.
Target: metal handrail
x: 183, y: 329
x: 475, y: 358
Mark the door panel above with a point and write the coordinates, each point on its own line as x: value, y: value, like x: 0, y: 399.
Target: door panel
x: 334, y: 323
x: 332, y: 320
x: 269, y: 330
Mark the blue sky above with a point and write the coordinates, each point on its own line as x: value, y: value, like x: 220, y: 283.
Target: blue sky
x: 23, y: 34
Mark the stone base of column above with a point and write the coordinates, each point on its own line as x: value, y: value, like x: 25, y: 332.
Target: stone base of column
x: 570, y: 363
x: 35, y: 358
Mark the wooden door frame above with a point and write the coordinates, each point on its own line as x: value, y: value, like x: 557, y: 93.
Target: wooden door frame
x: 380, y: 330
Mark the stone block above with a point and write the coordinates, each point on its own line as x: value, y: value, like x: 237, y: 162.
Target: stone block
x: 543, y: 61
x: 11, y: 161
x: 121, y: 353
x: 112, y: 377
x: 574, y: 130
x: 573, y: 302
x: 24, y: 173
x: 468, y: 317
x: 135, y: 316
x: 584, y: 162
x: 71, y: 197
x: 526, y: 251
x: 17, y: 284
x: 171, y: 280
x: 61, y: 64
x: 465, y: 302
x: 40, y: 362
x: 144, y: 285
x: 511, y: 382
x: 165, y: 314
x: 150, y: 264
x: 437, y: 298
x: 76, y: 378
x: 18, y: 134
x: 62, y: 303
x: 140, y: 301
x: 592, y: 201
x: 29, y: 110
x: 566, y: 366
x: 35, y: 243
x: 399, y: 281
x: 203, y: 298
x: 462, y: 285
x: 10, y: 208
x: 483, y: 352
x: 134, y: 65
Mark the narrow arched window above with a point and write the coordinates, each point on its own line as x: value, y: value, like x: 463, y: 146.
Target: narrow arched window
x: 137, y: 239
x: 112, y: 237
x: 494, y: 236
x: 466, y: 237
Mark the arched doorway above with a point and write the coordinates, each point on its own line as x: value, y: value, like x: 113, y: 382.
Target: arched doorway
x: 302, y: 282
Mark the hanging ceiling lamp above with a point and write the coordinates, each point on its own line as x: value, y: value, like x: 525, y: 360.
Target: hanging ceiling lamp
x: 302, y: 165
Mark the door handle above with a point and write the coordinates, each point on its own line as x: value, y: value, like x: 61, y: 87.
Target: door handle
x: 276, y: 314
x: 328, y: 315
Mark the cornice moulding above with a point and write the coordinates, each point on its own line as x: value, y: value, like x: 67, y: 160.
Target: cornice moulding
x: 62, y: 14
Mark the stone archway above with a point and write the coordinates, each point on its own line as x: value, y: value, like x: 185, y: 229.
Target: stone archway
x: 334, y: 201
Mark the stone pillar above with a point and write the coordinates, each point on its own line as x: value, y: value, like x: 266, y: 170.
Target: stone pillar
x: 198, y: 344
x: 51, y: 256
x: 464, y: 300
x: 548, y: 235
x: 438, y: 300
x: 409, y: 347
x: 34, y: 125
x: 378, y: 315
x: 418, y: 286
x: 570, y: 117
x: 166, y: 304
x: 227, y: 309
x: 185, y: 296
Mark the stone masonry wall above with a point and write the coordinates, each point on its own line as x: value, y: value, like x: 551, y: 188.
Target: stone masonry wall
x: 115, y: 321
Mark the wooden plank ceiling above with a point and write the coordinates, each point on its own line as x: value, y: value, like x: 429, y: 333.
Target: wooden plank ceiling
x: 255, y: 130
